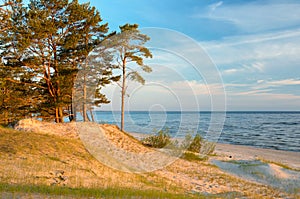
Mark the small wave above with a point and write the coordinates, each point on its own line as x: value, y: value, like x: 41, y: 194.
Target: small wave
x: 289, y: 123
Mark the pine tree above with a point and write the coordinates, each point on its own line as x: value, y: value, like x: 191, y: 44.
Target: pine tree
x: 88, y: 37
x: 16, y: 85
x: 46, y: 46
x: 129, y: 48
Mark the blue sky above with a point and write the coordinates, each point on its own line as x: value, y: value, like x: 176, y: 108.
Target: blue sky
x: 255, y: 46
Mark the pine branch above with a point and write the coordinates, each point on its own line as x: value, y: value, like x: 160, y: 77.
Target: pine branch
x: 26, y: 83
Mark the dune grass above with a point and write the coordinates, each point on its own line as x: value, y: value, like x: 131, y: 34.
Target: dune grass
x: 40, y: 190
x: 28, y: 159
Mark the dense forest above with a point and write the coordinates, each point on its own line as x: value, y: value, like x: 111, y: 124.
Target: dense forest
x: 53, y: 50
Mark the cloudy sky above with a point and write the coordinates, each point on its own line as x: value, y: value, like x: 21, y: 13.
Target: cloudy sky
x: 253, y: 45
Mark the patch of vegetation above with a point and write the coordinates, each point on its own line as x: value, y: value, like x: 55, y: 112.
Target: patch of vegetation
x: 19, y: 190
x: 208, y: 148
x: 278, y: 164
x: 56, y: 159
x: 7, y: 149
x: 160, y: 140
x: 190, y: 156
x: 191, y: 146
x: 198, y: 145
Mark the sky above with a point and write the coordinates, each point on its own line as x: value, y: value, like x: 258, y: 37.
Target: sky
x: 250, y: 48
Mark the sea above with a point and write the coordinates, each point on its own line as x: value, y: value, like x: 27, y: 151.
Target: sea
x: 272, y: 130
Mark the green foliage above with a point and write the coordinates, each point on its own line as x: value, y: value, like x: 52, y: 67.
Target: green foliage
x: 129, y: 54
x: 41, y: 191
x: 197, y: 145
x: 192, y: 147
x: 208, y: 148
x: 42, y: 46
x: 160, y: 140
x: 193, y: 156
x: 192, y: 144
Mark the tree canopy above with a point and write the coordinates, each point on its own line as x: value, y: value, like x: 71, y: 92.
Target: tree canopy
x: 44, y: 44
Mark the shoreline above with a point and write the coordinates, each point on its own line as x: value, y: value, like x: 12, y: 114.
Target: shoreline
x: 241, y: 152
x: 229, y: 152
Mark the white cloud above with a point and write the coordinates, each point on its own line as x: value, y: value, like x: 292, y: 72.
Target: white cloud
x: 176, y: 95
x: 263, y: 101
x: 269, y: 54
x: 285, y: 82
x: 260, y: 81
x: 255, y: 46
x: 258, y: 66
x: 256, y: 38
x: 231, y: 71
x: 198, y: 88
x: 256, y: 16
x: 214, y: 6
x: 194, y: 95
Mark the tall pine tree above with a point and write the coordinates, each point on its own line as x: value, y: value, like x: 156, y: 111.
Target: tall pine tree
x: 129, y: 49
x: 47, y: 44
x: 17, y: 87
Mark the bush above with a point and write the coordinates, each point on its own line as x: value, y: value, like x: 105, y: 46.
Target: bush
x: 208, y: 148
x: 160, y: 140
x: 192, y: 144
x: 198, y: 145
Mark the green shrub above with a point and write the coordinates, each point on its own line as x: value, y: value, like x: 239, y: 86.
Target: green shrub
x: 197, y: 145
x: 160, y: 140
x: 192, y: 144
x: 190, y: 156
x: 208, y: 148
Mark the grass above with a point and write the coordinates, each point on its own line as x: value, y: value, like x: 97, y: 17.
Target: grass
x: 278, y: 164
x: 28, y: 159
x: 190, y: 156
x: 87, y: 192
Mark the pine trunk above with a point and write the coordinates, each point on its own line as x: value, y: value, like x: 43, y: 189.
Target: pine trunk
x: 123, y: 96
x: 92, y: 116
x: 6, y: 119
x: 84, y: 108
x: 61, y: 115
x: 56, y: 115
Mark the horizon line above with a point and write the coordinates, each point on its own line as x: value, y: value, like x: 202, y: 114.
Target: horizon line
x: 291, y: 111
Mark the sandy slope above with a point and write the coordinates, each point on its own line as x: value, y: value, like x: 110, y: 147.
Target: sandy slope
x: 67, y: 153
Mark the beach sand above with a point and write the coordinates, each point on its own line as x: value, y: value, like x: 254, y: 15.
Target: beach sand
x: 238, y: 152
x: 229, y: 152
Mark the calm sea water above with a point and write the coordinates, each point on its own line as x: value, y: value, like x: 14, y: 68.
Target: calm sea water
x: 275, y: 130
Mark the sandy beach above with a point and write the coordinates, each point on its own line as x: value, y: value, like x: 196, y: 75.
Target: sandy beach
x: 238, y: 152
x: 229, y: 152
